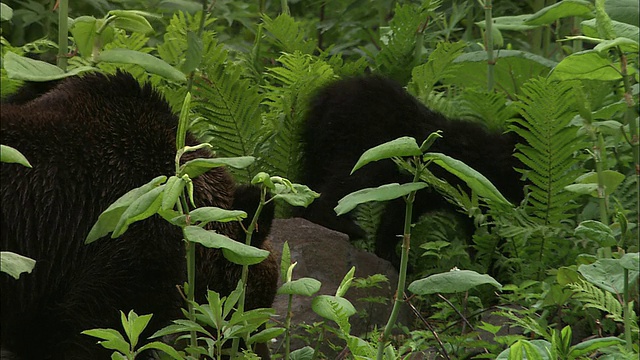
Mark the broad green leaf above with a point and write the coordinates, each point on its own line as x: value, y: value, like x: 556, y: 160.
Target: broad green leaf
x: 586, y: 65
x: 566, y: 8
x: 137, y: 324
x: 143, y: 207
x: 631, y: 261
x: 626, y: 11
x: 597, y: 232
x: 611, y: 179
x: 514, y: 23
x: 626, y: 45
x: 6, y: 13
x: 131, y: 21
x: 589, y: 346
x: 234, y: 251
x: 197, y: 167
x: 629, y: 31
x: 475, y: 180
x: 306, y: 353
x: 83, y: 30
x: 404, y: 146
x: 172, y: 191
x: 381, y: 193
x: 266, y: 335
x: 543, y: 349
x: 11, y: 155
x: 162, y: 347
x: 23, y: 68
x: 330, y: 307
x: 302, y: 286
x: 301, y: 195
x: 207, y: 214
x: 512, y: 69
x: 263, y: 178
x: 149, y: 62
x: 109, y: 219
x: 112, y: 339
x: 567, y: 275
x: 15, y: 264
x: 454, y: 281
x: 608, y: 274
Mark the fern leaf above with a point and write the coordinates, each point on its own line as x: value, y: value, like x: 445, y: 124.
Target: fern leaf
x: 551, y: 145
x: 289, y: 90
x: 287, y: 34
x: 438, y: 67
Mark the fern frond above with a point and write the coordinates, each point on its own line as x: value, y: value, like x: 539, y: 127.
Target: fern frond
x: 491, y: 108
x: 287, y: 34
x: 593, y: 297
x: 397, y: 54
x: 439, y: 66
x: 367, y: 216
x: 290, y: 88
x: 551, y: 144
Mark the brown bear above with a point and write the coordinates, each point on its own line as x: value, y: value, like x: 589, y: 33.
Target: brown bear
x: 91, y: 139
x: 352, y: 115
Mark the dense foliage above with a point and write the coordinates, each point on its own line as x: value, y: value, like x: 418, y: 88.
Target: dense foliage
x: 563, y: 77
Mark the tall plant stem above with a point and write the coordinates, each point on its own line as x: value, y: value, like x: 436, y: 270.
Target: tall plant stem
x: 488, y: 36
x: 63, y: 34
x: 404, y: 259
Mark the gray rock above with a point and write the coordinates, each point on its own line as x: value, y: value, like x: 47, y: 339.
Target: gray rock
x: 327, y: 256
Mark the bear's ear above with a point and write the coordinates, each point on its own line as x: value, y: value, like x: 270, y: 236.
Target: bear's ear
x: 247, y: 198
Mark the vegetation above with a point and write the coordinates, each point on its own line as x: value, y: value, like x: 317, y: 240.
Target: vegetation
x: 563, y: 76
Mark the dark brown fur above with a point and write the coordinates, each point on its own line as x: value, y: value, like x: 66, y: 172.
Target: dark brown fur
x: 90, y: 140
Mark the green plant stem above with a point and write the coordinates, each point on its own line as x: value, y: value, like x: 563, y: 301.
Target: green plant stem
x: 626, y: 312
x: 63, y: 34
x: 491, y: 62
x: 404, y: 259
x: 287, y: 326
x: 190, y: 254
x: 245, y: 268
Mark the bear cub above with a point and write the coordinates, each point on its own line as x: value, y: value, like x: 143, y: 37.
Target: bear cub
x: 90, y: 139
x: 352, y: 115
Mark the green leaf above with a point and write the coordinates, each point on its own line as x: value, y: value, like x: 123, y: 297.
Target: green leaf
x: 83, y: 31
x: 300, y: 195
x: 626, y: 45
x: 193, y: 56
x: 404, y: 146
x: 515, y: 351
x: 302, y: 286
x: 112, y: 339
x: 381, y: 193
x: 331, y: 307
x: 207, y: 214
x: 586, y: 65
x: 306, y: 353
x: 183, y: 121
x: 514, y: 23
x: 162, y: 347
x: 172, y: 191
x: 346, y: 282
x: 23, y: 68
x: 285, y: 263
x: 134, y: 325
x: 6, y: 13
x: 266, y: 335
x: 588, y: 28
x: 234, y: 251
x: 131, y: 21
x: 597, y: 232
x: 566, y: 8
x: 14, y: 264
x: 475, y: 180
x: 143, y: 207
x: 454, y: 281
x: 623, y: 10
x: 608, y: 274
x: 590, y: 346
x: 11, y: 155
x: 109, y: 219
x: 149, y: 62
x: 197, y: 167
x: 631, y: 261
